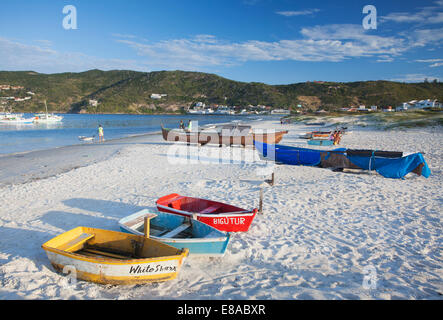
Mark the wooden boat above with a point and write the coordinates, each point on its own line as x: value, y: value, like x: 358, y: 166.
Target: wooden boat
x: 321, y: 135
x: 221, y: 216
x: 320, y: 142
x: 312, y: 134
x: 178, y: 231
x: 232, y: 135
x: 110, y: 257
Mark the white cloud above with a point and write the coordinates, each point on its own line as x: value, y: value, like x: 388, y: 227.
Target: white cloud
x: 429, y: 60
x: 298, y: 13
x: 414, y: 77
x: 321, y: 43
x: 435, y: 62
x: 19, y: 56
x: 128, y: 36
x: 425, y: 15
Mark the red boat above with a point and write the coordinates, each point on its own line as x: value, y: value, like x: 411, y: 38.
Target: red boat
x: 221, y: 216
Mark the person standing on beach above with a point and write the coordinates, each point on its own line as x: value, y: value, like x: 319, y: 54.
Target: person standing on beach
x: 182, y: 125
x: 100, y: 133
x: 189, y: 126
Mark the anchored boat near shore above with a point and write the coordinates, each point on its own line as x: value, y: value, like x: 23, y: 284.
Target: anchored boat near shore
x: 14, y: 118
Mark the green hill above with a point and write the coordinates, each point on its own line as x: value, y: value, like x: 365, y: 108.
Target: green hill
x: 130, y: 92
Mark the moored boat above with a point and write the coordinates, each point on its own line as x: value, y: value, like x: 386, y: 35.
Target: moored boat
x: 110, y: 257
x: 221, y: 216
x: 178, y: 231
x: 47, y: 117
x: 14, y: 118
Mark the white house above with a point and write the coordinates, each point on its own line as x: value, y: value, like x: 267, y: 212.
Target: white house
x: 373, y: 108
x: 93, y: 103
x: 403, y: 107
x: 428, y: 103
x: 157, y: 96
x: 280, y: 111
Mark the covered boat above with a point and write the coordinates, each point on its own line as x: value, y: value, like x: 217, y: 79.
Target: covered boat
x: 178, y: 231
x: 223, y: 135
x: 390, y: 164
x: 221, y: 216
x: 110, y: 257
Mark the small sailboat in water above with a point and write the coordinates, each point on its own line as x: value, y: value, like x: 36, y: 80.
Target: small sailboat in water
x: 47, y: 117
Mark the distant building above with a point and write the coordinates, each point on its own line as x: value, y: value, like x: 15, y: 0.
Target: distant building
x: 387, y: 109
x: 403, y: 107
x: 157, y: 96
x: 280, y: 111
x: 93, y: 103
x: 428, y: 103
x: 373, y: 108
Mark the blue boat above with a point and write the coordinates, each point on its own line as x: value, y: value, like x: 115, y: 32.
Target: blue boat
x: 320, y: 142
x: 387, y: 163
x: 178, y: 231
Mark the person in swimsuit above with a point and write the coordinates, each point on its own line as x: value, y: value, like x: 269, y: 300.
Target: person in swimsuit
x: 100, y: 133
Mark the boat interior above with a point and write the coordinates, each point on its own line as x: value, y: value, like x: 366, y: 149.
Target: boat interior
x: 110, y: 245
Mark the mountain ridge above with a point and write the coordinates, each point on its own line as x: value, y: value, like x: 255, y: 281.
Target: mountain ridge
x: 126, y: 91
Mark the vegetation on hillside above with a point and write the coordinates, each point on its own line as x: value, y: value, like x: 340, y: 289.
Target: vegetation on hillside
x: 130, y: 92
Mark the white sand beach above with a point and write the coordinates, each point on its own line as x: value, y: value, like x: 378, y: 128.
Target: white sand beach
x: 322, y: 235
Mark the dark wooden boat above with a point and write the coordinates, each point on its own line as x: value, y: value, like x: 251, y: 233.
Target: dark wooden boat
x: 223, y: 135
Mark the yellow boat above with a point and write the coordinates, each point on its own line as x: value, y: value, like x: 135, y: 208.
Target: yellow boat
x: 110, y: 257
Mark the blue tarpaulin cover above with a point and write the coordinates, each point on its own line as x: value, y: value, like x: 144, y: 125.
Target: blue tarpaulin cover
x: 395, y: 168
x: 289, y: 155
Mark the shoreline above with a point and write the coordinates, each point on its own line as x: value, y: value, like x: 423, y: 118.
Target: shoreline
x: 23, y: 167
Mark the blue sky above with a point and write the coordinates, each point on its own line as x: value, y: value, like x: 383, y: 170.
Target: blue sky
x: 270, y: 41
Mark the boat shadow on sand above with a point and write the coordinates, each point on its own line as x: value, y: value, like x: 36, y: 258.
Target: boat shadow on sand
x: 110, y: 209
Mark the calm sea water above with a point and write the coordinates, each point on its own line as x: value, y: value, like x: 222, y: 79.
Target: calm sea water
x: 29, y: 137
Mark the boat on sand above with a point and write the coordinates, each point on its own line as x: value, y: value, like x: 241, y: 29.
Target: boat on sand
x: 223, y: 135
x: 110, y: 257
x: 178, y: 231
x: 223, y: 217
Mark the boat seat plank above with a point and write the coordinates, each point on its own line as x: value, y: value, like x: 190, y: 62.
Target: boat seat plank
x: 176, y: 231
x: 95, y: 252
x: 211, y: 209
x: 76, y: 243
x: 139, y: 220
